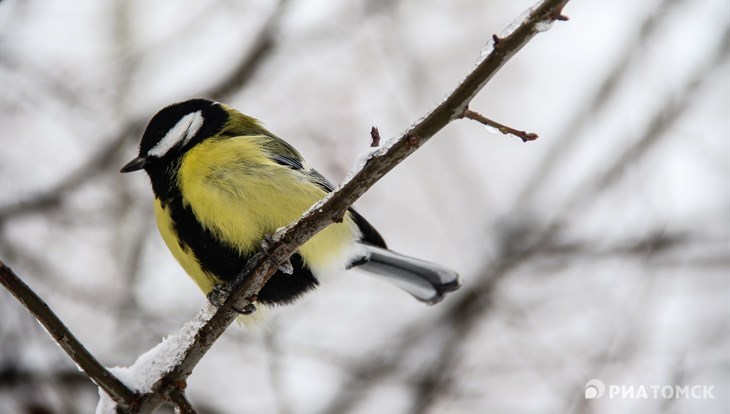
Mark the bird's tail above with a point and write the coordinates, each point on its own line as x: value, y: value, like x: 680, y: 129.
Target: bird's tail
x: 427, y: 282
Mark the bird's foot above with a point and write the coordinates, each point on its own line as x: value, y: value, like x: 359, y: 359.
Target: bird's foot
x: 285, y: 267
x: 220, y: 292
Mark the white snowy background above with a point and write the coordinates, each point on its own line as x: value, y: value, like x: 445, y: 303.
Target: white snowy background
x: 601, y: 250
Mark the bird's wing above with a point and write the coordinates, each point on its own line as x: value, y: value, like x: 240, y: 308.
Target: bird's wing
x: 292, y: 159
x: 284, y: 154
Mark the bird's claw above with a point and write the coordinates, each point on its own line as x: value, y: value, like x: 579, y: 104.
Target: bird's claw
x: 266, y: 242
x: 218, y: 295
x: 220, y: 292
x: 247, y: 310
x: 284, y: 267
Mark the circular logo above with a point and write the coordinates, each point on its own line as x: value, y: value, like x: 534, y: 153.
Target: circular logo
x: 594, y: 389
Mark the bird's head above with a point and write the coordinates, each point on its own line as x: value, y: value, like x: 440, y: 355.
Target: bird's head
x: 174, y: 130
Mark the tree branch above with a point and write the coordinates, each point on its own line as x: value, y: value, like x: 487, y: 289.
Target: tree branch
x: 180, y: 401
x: 120, y: 393
x: 476, y: 116
x: 334, y: 206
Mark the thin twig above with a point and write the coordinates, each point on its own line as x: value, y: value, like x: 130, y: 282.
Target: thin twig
x: 375, y: 136
x: 120, y: 393
x: 180, y: 401
x: 476, y: 116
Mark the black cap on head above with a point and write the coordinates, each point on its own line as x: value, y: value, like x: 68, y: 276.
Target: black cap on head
x: 174, y: 128
x: 169, y: 134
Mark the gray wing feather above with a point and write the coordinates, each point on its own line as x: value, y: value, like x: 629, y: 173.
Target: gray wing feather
x: 294, y: 161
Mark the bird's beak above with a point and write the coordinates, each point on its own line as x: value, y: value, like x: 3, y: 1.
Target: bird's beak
x: 134, y: 165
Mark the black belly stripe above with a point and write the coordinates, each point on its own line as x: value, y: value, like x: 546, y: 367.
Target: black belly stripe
x: 225, y: 262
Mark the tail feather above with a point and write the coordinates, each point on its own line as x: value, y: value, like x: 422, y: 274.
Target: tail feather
x: 427, y: 282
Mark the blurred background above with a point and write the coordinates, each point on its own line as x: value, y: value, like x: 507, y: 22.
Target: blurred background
x: 600, y: 251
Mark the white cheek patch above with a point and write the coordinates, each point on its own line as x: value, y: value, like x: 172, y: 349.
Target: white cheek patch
x: 181, y: 133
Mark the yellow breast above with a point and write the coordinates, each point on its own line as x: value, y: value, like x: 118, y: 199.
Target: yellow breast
x: 241, y: 195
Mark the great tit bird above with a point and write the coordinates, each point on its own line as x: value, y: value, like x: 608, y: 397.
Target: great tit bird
x: 223, y: 183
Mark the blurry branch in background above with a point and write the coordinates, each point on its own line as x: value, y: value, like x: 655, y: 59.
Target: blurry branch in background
x: 461, y: 317
x: 568, y: 137
x: 274, y: 360
x: 128, y: 60
x: 97, y: 162
x: 39, y: 391
x: 662, y: 121
x: 449, y: 331
x: 54, y: 86
x: 131, y: 129
x: 119, y: 392
x: 439, y: 377
x: 261, y: 48
x: 332, y: 209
